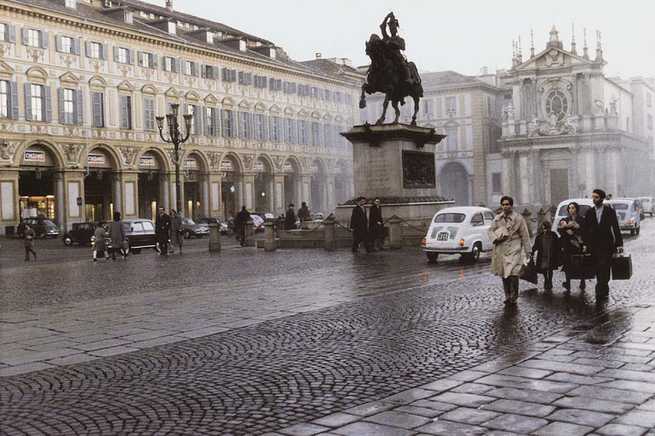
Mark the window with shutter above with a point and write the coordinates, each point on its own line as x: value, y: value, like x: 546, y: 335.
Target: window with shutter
x: 126, y: 112
x: 36, y: 102
x: 149, y: 113
x: 4, y: 32
x: 79, y: 107
x: 32, y: 38
x: 98, y: 109
x: 5, y: 98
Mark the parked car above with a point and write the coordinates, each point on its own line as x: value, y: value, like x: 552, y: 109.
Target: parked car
x: 80, y: 233
x: 43, y: 228
x: 223, y: 227
x: 647, y: 205
x: 459, y: 230
x: 627, y: 211
x: 140, y: 234
x: 584, y: 204
x: 192, y: 229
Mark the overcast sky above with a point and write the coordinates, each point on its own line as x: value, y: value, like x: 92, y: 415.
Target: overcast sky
x: 460, y: 35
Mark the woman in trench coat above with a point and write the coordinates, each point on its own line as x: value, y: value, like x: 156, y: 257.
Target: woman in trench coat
x: 512, y: 248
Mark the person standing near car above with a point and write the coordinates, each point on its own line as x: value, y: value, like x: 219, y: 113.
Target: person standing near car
x: 176, y: 229
x: 28, y: 233
x: 376, y: 226
x: 570, y: 230
x: 511, y: 239
x: 163, y: 231
x: 602, y: 237
x: 359, y: 226
x: 118, y: 237
x: 290, y: 218
x: 99, y: 244
x: 241, y: 223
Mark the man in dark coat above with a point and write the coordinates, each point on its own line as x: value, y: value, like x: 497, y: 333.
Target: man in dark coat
x: 241, y: 222
x: 602, y: 236
x: 359, y: 225
x: 376, y: 226
x: 290, y: 218
x: 163, y: 231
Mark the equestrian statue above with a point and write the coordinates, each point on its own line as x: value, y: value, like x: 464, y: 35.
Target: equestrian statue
x: 390, y: 73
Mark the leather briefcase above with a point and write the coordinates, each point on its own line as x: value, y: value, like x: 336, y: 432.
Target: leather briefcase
x: 621, y: 267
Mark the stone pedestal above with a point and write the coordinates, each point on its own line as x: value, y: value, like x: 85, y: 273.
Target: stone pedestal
x: 214, y: 238
x: 395, y: 163
x: 269, y: 237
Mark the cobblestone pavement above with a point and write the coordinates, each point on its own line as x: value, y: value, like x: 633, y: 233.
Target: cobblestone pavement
x: 279, y: 338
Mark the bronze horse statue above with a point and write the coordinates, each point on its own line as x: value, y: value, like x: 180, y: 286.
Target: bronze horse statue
x: 390, y: 73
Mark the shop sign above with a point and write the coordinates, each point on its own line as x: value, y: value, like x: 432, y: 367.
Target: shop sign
x: 148, y: 161
x: 97, y: 159
x: 34, y: 156
x: 226, y: 165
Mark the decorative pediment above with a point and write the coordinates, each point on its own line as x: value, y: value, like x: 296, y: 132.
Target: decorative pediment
x: 289, y: 111
x: 69, y: 78
x: 553, y: 57
x: 303, y: 113
x: 275, y: 109
x: 172, y: 93
x: 149, y: 89
x: 211, y: 100
x: 260, y: 107
x: 227, y: 102
x: 97, y: 82
x: 243, y: 104
x: 126, y: 86
x: 36, y: 74
x: 6, y: 71
x: 192, y: 96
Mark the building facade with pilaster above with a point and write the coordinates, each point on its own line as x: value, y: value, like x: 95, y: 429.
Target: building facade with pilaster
x: 81, y: 82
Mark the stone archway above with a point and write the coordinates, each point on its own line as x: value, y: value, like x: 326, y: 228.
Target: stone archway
x: 195, y: 186
x: 152, y: 183
x: 230, y: 185
x: 101, y: 188
x: 292, y: 190
x: 454, y: 183
x: 263, y: 185
x: 40, y: 185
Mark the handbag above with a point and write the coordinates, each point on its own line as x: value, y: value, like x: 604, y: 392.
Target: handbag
x: 529, y: 273
x: 621, y: 267
x: 582, y: 267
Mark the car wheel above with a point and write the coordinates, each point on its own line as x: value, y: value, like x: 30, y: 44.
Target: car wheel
x: 432, y: 257
x: 68, y: 241
x: 475, y: 254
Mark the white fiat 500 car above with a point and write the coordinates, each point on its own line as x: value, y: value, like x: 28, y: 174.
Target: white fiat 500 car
x: 459, y: 230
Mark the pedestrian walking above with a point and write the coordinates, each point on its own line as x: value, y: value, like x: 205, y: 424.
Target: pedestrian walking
x: 163, y: 231
x: 303, y: 214
x: 511, y: 252
x: 359, y: 226
x: 29, y: 234
x: 376, y: 226
x: 118, y: 237
x: 290, y: 218
x: 602, y: 237
x: 570, y: 232
x: 241, y: 223
x: 99, y: 243
x: 177, y: 237
x: 547, y: 247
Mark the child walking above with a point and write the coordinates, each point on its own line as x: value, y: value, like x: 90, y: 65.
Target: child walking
x: 547, y: 247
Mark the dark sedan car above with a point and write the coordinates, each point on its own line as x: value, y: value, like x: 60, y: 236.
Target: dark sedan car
x: 140, y: 234
x: 43, y: 228
x: 80, y: 233
x: 192, y: 229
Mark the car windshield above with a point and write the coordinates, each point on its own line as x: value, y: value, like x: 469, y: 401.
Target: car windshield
x: 450, y: 218
x: 147, y: 226
x: 620, y: 206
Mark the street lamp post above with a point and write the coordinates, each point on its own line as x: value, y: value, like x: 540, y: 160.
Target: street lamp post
x: 175, y: 138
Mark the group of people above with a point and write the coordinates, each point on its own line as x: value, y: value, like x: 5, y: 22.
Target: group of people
x: 290, y: 216
x: 168, y: 230
x: 117, y: 235
x: 367, y: 231
x: 597, y: 234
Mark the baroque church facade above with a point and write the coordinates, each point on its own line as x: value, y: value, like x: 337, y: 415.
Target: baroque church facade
x: 568, y: 128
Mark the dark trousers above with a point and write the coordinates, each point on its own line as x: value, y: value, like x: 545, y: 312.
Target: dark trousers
x: 163, y: 244
x: 118, y: 250
x: 360, y: 238
x: 603, y: 276
x: 242, y: 235
x: 511, y: 288
x: 548, y: 279
x: 567, y: 282
x: 29, y: 250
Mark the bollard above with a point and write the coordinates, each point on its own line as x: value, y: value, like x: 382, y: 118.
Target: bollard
x: 214, y: 238
x: 329, y: 233
x: 395, y: 234
x: 269, y: 237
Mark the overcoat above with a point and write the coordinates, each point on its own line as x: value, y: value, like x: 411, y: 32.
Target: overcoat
x: 510, y: 255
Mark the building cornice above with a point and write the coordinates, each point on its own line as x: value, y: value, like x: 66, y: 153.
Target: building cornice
x: 116, y: 30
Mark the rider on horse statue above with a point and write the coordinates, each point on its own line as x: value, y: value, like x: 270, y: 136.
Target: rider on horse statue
x: 390, y: 73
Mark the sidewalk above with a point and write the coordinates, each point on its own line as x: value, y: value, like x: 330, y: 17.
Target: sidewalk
x: 597, y: 382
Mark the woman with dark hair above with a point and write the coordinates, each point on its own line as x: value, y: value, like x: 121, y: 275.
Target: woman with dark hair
x: 570, y: 231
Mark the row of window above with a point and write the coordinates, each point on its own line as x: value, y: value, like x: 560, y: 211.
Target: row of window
x: 96, y: 50
x: 207, y: 121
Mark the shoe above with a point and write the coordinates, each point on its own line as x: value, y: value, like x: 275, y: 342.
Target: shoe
x: 95, y: 260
